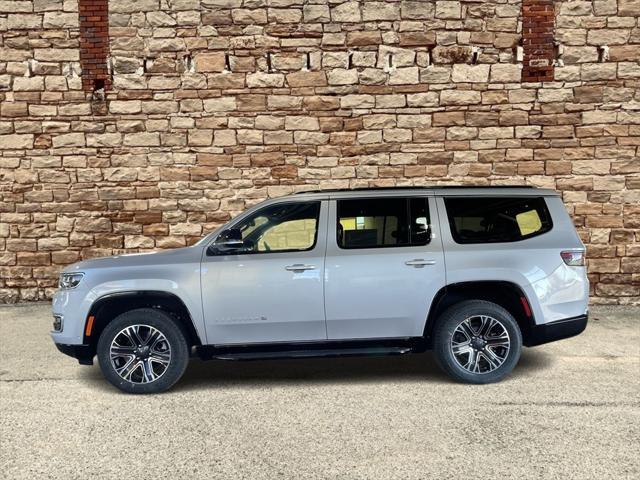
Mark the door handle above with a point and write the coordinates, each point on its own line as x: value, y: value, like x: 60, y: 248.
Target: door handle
x: 419, y: 262
x: 299, y: 267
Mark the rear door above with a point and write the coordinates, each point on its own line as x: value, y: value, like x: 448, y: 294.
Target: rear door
x: 383, y: 267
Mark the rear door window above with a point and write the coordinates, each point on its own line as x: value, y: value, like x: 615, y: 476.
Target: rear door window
x: 497, y: 219
x: 383, y: 222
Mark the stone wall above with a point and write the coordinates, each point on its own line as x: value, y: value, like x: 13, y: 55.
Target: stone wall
x: 213, y: 105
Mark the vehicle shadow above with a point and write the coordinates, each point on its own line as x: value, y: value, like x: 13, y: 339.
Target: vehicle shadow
x: 408, y: 368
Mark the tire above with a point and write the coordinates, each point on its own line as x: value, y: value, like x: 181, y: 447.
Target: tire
x: 486, y: 358
x: 147, y: 347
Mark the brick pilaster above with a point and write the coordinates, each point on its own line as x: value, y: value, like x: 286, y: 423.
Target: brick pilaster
x: 538, y: 21
x: 94, y: 44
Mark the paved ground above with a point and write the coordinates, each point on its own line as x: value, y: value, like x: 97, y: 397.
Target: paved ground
x: 570, y: 410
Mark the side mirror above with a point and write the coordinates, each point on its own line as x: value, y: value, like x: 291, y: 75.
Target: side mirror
x: 227, y: 241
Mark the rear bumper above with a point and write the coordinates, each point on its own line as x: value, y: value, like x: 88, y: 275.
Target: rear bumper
x: 552, y: 331
x: 84, y: 353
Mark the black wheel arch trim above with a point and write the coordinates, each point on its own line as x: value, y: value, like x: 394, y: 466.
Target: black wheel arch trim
x: 100, y: 302
x: 526, y: 320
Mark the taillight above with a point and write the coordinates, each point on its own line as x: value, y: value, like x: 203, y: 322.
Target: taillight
x: 573, y: 258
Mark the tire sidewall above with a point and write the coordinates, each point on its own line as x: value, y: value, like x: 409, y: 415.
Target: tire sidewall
x: 450, y: 321
x: 165, y: 324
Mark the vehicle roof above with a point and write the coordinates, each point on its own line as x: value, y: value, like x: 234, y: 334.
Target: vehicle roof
x: 453, y: 190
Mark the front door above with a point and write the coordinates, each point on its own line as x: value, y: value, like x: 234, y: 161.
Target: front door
x: 270, y: 288
x: 384, y: 265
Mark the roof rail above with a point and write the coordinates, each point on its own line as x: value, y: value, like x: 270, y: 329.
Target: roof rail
x: 438, y: 187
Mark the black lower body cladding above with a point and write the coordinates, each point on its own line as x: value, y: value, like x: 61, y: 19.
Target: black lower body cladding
x: 558, y: 330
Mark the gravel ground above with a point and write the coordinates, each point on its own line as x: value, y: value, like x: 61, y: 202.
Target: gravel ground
x: 570, y: 410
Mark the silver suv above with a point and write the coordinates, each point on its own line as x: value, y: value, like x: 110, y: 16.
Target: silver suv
x: 472, y: 273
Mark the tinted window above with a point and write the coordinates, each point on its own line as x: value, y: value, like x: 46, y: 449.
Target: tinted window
x: 499, y: 219
x: 384, y: 222
x: 284, y: 227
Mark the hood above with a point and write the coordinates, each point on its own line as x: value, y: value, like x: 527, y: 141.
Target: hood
x: 161, y: 257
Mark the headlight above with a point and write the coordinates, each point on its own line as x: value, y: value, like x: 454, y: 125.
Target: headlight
x: 70, y: 280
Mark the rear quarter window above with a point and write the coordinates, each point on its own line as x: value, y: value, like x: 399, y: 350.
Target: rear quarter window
x: 497, y: 219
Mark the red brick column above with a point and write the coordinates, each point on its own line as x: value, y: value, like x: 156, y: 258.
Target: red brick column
x: 538, y: 20
x: 94, y: 44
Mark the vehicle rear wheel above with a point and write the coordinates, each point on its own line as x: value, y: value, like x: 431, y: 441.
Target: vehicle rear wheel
x: 476, y: 341
x: 143, y: 351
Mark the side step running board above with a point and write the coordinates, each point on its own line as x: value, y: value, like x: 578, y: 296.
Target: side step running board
x: 211, y: 353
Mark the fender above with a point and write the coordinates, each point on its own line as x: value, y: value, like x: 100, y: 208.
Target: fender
x: 508, y: 294
x: 146, y: 298
x: 136, y: 288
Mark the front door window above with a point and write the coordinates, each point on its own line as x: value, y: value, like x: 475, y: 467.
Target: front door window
x: 283, y: 227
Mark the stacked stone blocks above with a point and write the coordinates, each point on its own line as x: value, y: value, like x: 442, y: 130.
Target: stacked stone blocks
x: 216, y: 105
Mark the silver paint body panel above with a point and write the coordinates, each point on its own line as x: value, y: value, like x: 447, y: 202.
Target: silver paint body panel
x: 251, y: 298
x: 350, y: 294
x: 372, y: 293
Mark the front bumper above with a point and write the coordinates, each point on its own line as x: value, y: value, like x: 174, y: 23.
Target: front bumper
x: 84, y: 353
x: 552, y: 331
x: 72, y: 306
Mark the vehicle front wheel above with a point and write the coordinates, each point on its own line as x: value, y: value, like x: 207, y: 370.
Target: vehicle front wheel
x: 143, y: 351
x: 476, y: 341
